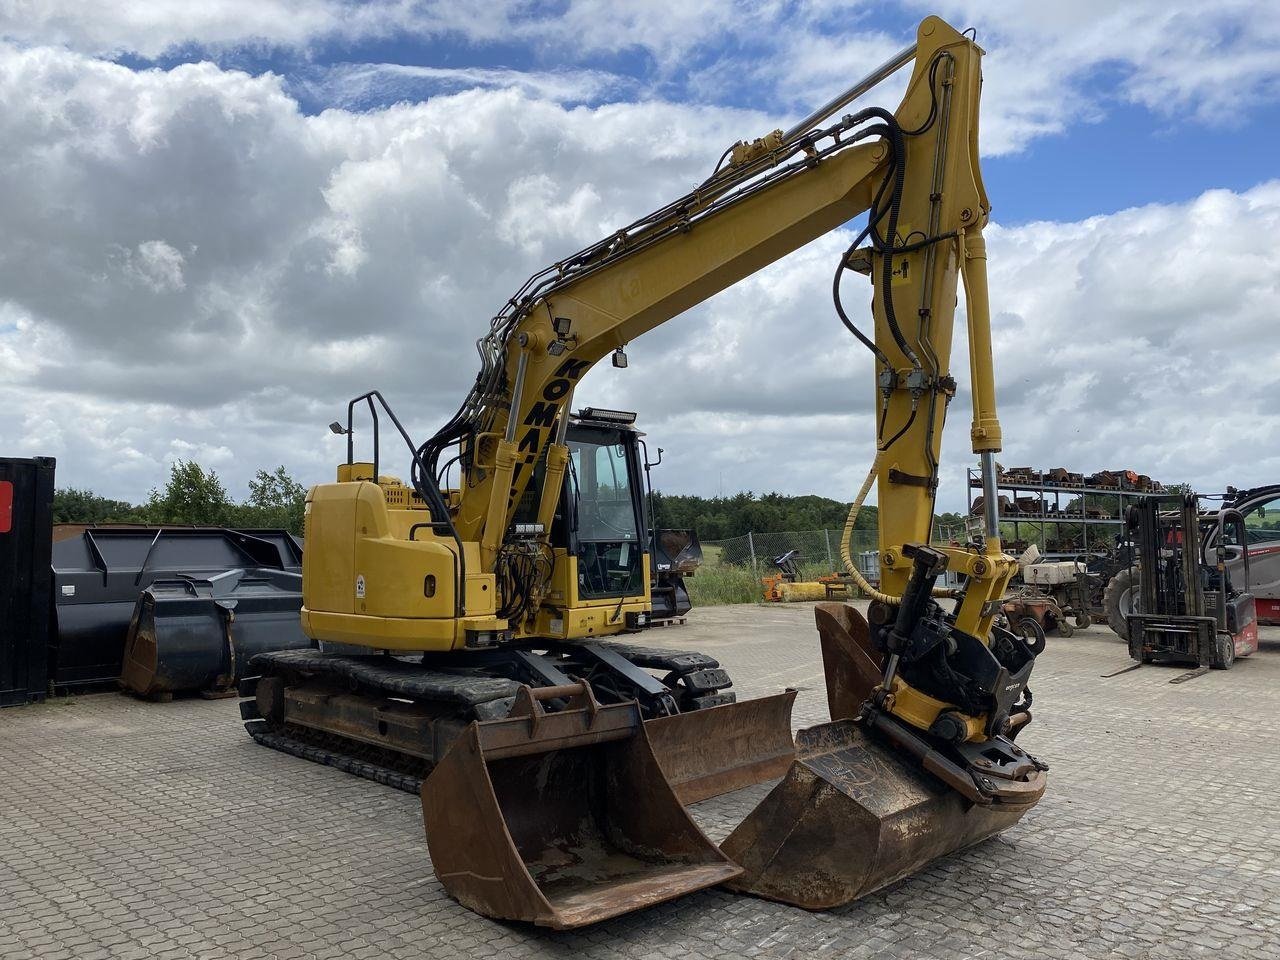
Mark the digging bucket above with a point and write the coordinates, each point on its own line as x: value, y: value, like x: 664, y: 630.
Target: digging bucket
x: 199, y: 634
x: 562, y: 818
x: 705, y: 753
x: 857, y: 811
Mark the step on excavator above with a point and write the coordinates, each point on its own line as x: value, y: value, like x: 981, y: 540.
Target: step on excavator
x: 466, y: 628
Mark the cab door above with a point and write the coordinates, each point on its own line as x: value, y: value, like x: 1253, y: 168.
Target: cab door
x: 605, y: 509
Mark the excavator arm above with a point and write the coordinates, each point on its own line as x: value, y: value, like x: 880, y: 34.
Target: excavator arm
x: 918, y: 167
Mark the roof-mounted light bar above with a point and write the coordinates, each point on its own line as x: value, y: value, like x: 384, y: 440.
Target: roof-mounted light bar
x: 606, y: 416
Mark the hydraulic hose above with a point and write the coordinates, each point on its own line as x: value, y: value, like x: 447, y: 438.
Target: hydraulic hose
x: 846, y: 552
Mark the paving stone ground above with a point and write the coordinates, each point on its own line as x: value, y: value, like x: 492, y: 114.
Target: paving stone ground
x: 138, y: 830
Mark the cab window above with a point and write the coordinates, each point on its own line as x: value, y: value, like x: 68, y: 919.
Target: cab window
x: 1262, y: 523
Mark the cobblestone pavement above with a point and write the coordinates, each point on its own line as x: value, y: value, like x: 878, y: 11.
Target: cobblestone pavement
x: 134, y: 830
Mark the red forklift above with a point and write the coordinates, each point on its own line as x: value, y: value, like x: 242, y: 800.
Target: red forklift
x: 1192, y: 608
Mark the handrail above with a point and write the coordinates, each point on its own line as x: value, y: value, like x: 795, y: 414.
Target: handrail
x: 437, y: 509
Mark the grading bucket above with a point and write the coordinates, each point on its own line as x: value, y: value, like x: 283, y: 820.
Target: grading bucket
x: 859, y: 809
x: 852, y: 816
x: 562, y: 819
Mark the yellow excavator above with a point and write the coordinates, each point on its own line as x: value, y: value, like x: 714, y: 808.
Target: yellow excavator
x: 466, y: 626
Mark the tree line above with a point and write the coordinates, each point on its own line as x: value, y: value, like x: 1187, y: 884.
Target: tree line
x: 720, y: 518
x: 196, y: 496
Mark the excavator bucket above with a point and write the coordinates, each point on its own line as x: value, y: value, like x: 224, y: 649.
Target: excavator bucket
x: 854, y: 814
x: 562, y: 818
x: 705, y: 753
x: 199, y: 633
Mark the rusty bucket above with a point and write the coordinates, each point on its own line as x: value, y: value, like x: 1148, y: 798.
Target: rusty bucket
x: 855, y: 813
x: 705, y: 753
x: 562, y: 818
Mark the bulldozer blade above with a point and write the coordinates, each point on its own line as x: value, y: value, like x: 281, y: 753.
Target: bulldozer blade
x: 852, y: 816
x: 705, y: 753
x: 562, y: 819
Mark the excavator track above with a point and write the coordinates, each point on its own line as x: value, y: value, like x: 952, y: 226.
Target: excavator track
x: 361, y: 760
x: 390, y: 719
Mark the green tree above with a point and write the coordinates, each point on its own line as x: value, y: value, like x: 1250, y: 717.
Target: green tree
x: 192, y: 495
x: 71, y: 505
x: 275, y: 500
x: 719, y: 518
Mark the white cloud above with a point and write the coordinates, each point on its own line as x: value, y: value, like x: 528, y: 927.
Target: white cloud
x: 155, y: 265
x: 1139, y: 340
x: 151, y: 28
x: 355, y: 85
x: 189, y: 263
x: 1214, y: 62
x: 189, y: 258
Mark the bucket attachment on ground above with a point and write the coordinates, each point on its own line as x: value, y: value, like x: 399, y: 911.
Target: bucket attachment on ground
x: 705, y: 753
x: 99, y: 571
x: 199, y: 634
x: 852, y: 816
x: 861, y: 808
x: 562, y: 818
x: 850, y: 663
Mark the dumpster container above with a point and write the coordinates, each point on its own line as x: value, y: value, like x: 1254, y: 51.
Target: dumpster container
x: 26, y: 531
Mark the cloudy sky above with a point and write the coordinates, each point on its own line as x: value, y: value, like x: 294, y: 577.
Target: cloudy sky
x: 221, y: 220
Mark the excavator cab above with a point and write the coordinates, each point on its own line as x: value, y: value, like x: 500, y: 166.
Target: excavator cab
x: 598, y: 532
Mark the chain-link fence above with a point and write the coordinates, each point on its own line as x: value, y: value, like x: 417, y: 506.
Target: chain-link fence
x: 812, y: 547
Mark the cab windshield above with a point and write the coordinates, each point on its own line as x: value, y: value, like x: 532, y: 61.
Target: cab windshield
x: 606, y: 539
x: 606, y: 508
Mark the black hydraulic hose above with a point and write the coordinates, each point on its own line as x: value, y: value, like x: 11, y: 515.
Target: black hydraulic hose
x: 933, y: 95
x: 905, y: 427
x: 875, y: 215
x: 899, y: 174
x: 844, y: 318
x: 884, y: 245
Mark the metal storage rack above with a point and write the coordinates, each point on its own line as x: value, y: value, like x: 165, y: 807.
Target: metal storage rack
x: 1051, y: 513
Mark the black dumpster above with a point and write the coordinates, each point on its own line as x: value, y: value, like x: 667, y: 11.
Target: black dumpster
x: 26, y: 524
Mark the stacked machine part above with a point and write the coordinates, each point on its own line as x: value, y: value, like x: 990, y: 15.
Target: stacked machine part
x: 676, y: 554
x: 171, y: 609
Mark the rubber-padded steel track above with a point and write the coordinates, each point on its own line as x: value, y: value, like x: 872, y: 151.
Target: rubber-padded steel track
x: 389, y: 675
x: 345, y: 755
x: 658, y: 658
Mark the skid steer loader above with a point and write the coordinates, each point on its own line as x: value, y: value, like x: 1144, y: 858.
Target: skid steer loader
x: 466, y: 630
